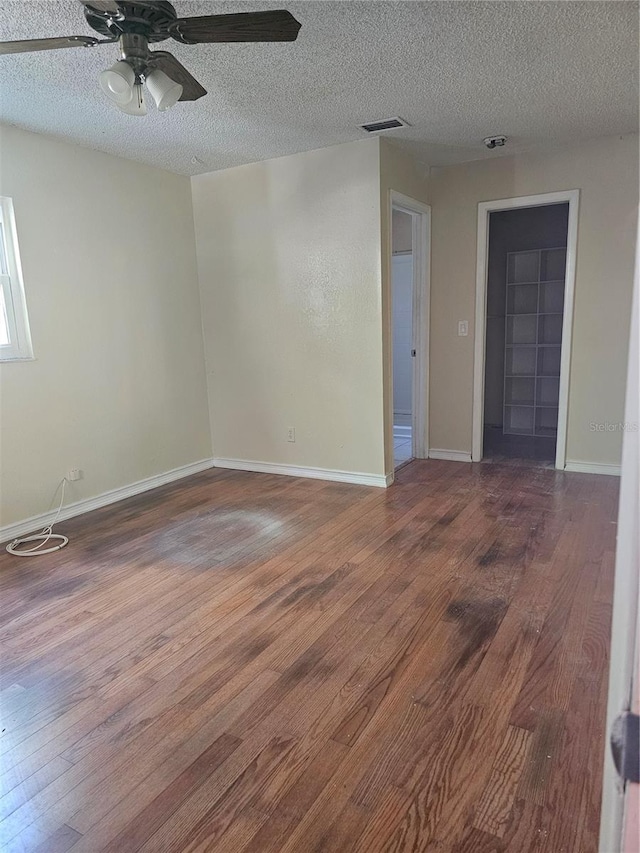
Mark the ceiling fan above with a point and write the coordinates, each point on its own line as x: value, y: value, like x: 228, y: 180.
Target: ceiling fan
x: 134, y: 24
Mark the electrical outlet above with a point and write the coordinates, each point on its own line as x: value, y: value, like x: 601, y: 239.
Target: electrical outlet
x: 75, y: 474
x: 463, y: 328
x: 291, y: 434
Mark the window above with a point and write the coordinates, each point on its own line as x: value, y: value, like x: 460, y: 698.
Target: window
x: 15, y: 340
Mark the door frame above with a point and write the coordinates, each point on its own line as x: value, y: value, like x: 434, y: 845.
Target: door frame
x: 420, y: 247
x: 485, y: 208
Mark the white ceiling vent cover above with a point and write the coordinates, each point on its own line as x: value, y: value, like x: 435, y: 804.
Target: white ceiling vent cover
x: 385, y: 124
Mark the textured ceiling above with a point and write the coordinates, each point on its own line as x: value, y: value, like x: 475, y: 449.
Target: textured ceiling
x: 541, y: 73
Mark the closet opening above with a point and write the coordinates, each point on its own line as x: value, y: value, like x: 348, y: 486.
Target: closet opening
x: 525, y: 310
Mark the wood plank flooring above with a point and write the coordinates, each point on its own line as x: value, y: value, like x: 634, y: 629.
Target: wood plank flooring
x: 246, y: 663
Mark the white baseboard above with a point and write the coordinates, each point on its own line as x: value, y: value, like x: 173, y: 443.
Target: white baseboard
x: 449, y: 455
x: 354, y: 477
x: 37, y: 522
x: 592, y: 468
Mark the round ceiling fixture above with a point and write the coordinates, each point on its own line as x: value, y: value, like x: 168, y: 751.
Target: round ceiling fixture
x: 495, y: 141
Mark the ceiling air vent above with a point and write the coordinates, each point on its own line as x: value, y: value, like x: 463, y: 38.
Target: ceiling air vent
x: 385, y: 124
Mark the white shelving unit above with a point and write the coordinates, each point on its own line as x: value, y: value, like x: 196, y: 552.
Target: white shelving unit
x: 533, y: 339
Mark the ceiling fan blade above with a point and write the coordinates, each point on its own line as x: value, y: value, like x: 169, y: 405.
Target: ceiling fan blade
x: 276, y: 25
x: 27, y: 45
x: 191, y: 89
x: 101, y: 5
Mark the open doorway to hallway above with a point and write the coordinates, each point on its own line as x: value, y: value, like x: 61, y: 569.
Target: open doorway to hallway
x: 403, y: 343
x: 407, y: 332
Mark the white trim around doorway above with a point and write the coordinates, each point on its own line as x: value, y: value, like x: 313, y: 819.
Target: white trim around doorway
x: 484, y: 209
x: 421, y: 248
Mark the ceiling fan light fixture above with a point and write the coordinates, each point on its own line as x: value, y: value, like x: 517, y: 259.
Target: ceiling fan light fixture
x: 118, y: 82
x: 135, y: 24
x: 137, y: 105
x: 164, y: 91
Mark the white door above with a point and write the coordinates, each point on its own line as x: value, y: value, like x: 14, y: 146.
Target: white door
x: 619, y: 824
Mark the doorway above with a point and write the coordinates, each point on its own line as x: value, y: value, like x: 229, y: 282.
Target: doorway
x: 524, y: 308
x: 403, y: 349
x: 525, y: 300
x: 409, y: 286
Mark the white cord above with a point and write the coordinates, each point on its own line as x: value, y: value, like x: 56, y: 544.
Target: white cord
x: 44, y: 536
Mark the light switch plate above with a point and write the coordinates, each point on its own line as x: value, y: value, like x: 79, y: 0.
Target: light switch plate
x: 463, y: 328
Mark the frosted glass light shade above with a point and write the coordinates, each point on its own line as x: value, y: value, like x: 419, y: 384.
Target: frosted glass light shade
x: 137, y: 105
x: 165, y: 91
x: 118, y: 81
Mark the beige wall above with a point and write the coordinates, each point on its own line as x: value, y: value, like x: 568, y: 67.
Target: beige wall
x: 401, y: 173
x: 289, y: 266
x: 118, y: 385
x: 606, y: 173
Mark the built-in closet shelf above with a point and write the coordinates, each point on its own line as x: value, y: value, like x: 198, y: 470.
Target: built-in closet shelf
x: 533, y: 405
x: 533, y: 340
x: 559, y: 281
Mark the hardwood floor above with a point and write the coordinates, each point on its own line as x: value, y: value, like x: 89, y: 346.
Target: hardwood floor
x: 245, y: 662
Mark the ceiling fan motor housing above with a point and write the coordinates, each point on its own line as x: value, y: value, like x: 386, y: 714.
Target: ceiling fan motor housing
x: 134, y: 49
x: 150, y: 19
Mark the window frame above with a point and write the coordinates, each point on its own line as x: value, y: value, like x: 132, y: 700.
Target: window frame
x: 20, y: 347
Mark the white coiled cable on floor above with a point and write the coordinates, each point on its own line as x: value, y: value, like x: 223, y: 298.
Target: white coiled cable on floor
x: 45, y: 535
